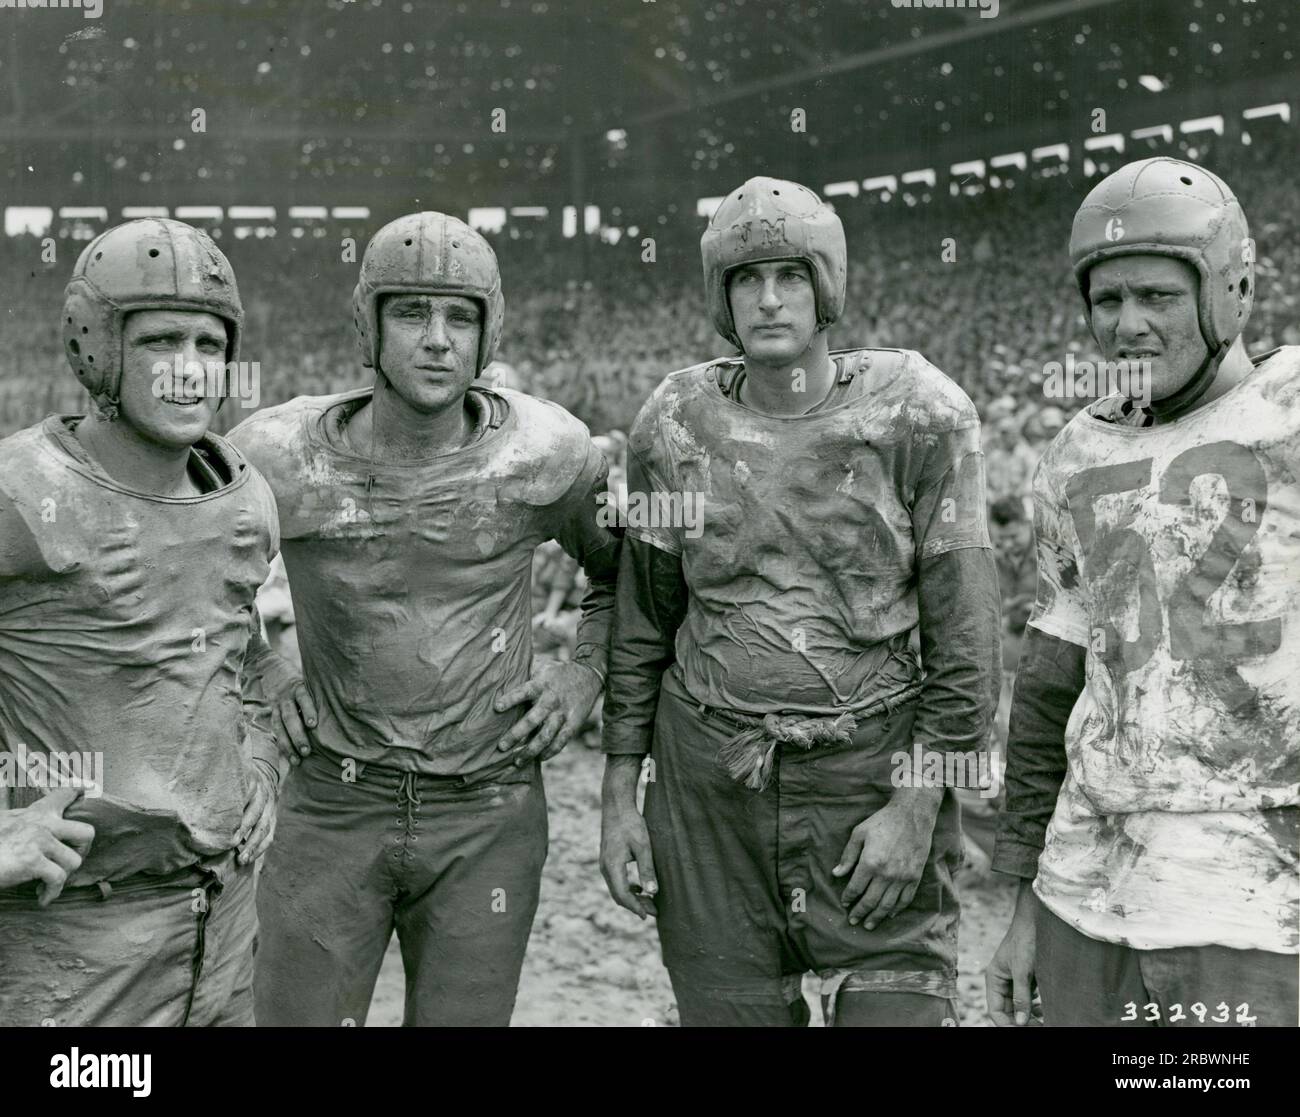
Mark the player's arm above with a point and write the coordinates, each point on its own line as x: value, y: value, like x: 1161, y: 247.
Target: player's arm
x: 276, y: 697
x: 649, y: 608
x: 273, y: 688
x: 585, y: 536
x: 270, y: 761
x: 560, y: 696
x: 265, y: 676
x: 958, y: 606
x: 957, y: 597
x: 1049, y: 680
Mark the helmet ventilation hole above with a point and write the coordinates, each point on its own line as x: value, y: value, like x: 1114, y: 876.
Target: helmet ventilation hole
x: 408, y: 242
x: 85, y: 329
x: 98, y: 256
x: 69, y: 319
x: 153, y: 252
x: 1244, y: 286
x: 90, y: 358
x: 455, y: 244
x: 1185, y: 180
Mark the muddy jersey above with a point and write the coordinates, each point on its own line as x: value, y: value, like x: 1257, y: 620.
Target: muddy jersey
x: 800, y: 536
x: 124, y: 620
x: 411, y: 581
x: 1171, y: 553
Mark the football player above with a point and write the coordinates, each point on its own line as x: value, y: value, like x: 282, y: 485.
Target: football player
x: 1154, y: 749
x: 807, y: 511
x: 410, y: 512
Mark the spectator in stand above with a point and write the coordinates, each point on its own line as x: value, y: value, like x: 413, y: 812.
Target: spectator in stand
x: 1009, y: 461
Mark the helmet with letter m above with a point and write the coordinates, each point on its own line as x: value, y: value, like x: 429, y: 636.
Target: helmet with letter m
x: 1168, y: 207
x: 149, y: 264
x: 427, y: 253
x: 771, y: 219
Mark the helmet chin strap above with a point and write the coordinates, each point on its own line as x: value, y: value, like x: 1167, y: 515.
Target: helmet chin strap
x: 1182, y: 401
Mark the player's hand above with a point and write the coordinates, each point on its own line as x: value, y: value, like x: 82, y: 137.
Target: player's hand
x: 38, y: 843
x: 293, y: 711
x: 625, y: 841
x: 886, y: 854
x: 1009, y: 981
x: 559, y: 697
x: 257, y: 827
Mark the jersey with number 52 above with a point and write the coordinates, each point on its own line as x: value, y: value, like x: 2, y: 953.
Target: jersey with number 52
x: 1172, y: 555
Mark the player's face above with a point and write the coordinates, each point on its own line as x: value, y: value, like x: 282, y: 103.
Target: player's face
x: 158, y: 404
x: 429, y: 347
x: 1012, y: 539
x: 1144, y: 308
x: 774, y: 308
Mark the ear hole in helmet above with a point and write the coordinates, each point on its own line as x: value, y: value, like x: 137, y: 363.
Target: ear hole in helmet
x: 76, y: 349
x: 1244, y: 286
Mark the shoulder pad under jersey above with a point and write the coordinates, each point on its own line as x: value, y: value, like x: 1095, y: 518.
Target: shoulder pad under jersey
x: 548, y: 448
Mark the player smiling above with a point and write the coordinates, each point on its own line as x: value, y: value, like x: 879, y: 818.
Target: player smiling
x: 132, y: 543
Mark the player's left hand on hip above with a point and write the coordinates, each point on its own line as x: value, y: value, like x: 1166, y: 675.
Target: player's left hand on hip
x: 559, y: 697
x: 257, y: 827
x: 884, y: 859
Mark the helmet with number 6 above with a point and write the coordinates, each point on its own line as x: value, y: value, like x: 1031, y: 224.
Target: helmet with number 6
x: 428, y: 253
x: 1168, y: 207
x: 771, y: 219
x: 150, y: 264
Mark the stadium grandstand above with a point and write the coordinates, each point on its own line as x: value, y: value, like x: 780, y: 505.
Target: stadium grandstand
x: 591, y: 143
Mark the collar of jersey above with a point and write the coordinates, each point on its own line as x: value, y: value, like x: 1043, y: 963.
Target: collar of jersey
x: 59, y: 440
x: 495, y: 414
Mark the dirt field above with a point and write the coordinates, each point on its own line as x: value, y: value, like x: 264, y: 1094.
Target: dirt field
x: 590, y: 963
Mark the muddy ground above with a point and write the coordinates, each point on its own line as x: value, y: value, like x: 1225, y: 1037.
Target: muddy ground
x: 591, y: 963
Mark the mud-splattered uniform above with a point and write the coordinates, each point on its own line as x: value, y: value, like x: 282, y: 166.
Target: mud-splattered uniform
x: 411, y: 587
x: 818, y: 545
x: 1171, y: 554
x: 124, y: 621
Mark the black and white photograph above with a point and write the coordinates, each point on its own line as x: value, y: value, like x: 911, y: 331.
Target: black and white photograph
x: 650, y: 513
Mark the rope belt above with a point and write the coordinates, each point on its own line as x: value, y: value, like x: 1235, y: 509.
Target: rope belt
x: 748, y: 756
